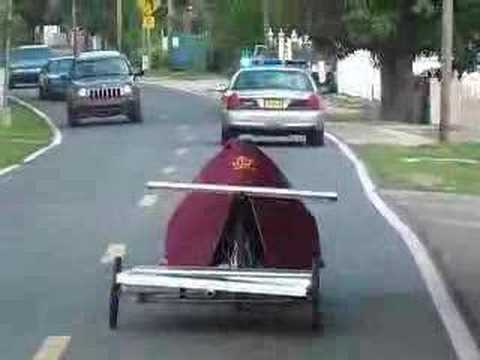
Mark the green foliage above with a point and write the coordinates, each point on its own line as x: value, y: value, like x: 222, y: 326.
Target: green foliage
x: 237, y: 24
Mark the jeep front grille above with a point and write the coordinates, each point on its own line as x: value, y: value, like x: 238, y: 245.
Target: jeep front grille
x: 104, y: 93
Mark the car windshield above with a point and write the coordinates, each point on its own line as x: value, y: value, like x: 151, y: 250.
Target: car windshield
x: 39, y: 54
x: 273, y: 79
x: 101, y: 67
x: 60, y: 66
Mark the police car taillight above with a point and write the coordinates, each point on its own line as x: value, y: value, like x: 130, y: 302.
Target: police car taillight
x: 232, y: 101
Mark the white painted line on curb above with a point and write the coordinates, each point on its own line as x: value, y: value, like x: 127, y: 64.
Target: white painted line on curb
x: 53, y: 348
x: 57, y: 135
x: 182, y: 151
x: 148, y: 200
x: 458, y: 331
x: 6, y: 170
x: 169, y: 170
x: 113, y: 251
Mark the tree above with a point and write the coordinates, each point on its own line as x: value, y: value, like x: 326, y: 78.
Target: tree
x: 395, y: 31
x: 236, y: 24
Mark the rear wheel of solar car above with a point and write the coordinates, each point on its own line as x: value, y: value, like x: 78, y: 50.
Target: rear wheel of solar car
x: 227, y: 134
x: 114, y: 295
x: 316, y: 138
x: 135, y: 114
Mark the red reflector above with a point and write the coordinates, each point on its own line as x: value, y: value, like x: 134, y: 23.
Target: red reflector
x: 314, y: 102
x: 232, y: 101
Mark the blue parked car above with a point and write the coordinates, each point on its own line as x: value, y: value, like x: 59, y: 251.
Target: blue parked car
x: 26, y: 65
x: 54, y: 78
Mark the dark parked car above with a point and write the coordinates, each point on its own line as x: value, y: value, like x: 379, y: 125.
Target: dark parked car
x: 26, y: 65
x: 103, y: 84
x: 55, y: 77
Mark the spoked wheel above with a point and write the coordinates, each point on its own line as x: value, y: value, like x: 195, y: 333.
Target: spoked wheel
x: 115, y: 294
x: 317, y: 323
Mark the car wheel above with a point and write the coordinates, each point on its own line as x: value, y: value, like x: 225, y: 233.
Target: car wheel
x: 227, y: 134
x: 135, y: 113
x: 316, y: 138
x: 72, y: 119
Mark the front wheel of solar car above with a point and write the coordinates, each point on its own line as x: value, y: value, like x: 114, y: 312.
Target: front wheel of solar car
x: 135, y: 114
x: 227, y: 134
x: 316, y: 138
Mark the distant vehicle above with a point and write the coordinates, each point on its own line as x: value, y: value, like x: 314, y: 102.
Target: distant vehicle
x: 103, y: 84
x: 26, y: 64
x: 55, y: 77
x: 273, y: 101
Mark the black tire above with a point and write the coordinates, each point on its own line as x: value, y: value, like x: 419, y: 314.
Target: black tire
x: 227, y: 135
x: 135, y: 113
x: 11, y: 85
x: 115, y: 290
x: 316, y: 138
x: 72, y: 118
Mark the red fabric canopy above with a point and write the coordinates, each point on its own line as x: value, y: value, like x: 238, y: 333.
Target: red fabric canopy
x: 290, y: 235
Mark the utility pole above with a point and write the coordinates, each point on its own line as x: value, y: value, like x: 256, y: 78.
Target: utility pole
x: 447, y: 55
x: 119, y: 24
x: 266, y: 18
x: 74, y: 28
x: 171, y: 17
x: 8, y: 41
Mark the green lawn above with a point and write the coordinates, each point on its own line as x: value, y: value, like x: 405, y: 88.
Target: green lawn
x: 445, y: 168
x: 26, y: 134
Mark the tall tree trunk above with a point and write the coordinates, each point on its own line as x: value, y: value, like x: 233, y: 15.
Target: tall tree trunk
x: 397, y: 86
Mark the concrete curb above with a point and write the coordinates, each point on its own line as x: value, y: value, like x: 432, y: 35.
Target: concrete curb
x: 55, y: 140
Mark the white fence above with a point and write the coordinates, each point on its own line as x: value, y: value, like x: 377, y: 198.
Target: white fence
x: 465, y: 101
x: 358, y: 76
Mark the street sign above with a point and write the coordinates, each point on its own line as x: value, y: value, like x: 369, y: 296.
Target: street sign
x: 149, y: 22
x: 148, y: 17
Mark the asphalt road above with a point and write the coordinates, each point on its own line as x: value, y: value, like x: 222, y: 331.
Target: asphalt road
x: 59, y: 214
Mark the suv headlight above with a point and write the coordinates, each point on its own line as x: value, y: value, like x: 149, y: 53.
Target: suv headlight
x: 127, y: 90
x: 82, y: 92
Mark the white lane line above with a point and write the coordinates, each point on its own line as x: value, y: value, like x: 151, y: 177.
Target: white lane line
x: 53, y: 348
x: 113, y: 251
x: 182, y: 151
x: 148, y: 200
x: 458, y: 331
x: 57, y: 135
x: 169, y: 170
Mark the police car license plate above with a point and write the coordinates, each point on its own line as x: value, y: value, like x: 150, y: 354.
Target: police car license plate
x: 276, y: 104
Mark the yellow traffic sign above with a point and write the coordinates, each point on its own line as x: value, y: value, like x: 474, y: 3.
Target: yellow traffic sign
x: 149, y: 22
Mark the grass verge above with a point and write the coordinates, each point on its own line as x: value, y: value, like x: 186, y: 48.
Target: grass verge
x: 451, y: 168
x: 26, y: 134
